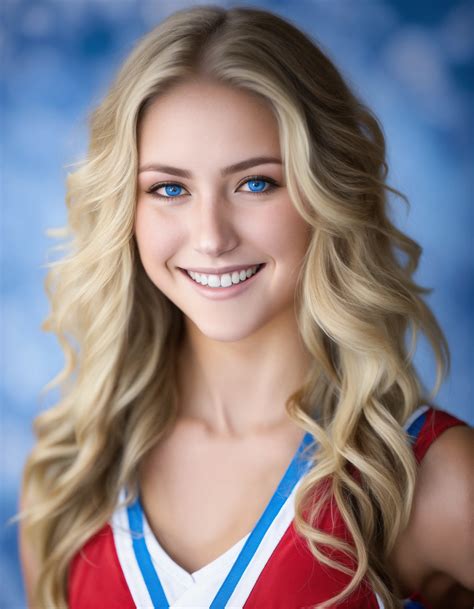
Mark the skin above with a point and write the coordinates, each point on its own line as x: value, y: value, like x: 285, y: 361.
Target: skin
x: 219, y: 221
x: 435, y: 553
x: 231, y: 418
x: 225, y: 406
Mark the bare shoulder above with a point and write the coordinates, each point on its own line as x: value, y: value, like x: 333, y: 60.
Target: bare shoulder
x: 435, y: 553
x: 444, y: 499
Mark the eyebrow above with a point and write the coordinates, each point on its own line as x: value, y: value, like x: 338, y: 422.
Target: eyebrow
x: 185, y: 173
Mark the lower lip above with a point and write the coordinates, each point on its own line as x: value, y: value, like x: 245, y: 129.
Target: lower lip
x: 223, y: 293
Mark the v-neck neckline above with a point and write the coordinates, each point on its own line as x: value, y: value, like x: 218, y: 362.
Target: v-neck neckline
x: 177, y: 570
x: 249, y: 544
x: 207, y: 571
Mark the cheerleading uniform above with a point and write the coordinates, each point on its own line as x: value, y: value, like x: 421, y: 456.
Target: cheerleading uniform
x: 123, y: 566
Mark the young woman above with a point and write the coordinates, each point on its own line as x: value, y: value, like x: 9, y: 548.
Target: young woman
x: 241, y: 424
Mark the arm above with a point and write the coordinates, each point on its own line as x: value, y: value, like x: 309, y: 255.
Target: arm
x: 435, y: 553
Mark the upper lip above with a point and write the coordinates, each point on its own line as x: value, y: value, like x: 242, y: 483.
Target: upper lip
x: 222, y: 270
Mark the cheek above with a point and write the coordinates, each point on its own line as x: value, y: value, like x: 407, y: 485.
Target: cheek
x: 284, y: 234
x: 157, y: 237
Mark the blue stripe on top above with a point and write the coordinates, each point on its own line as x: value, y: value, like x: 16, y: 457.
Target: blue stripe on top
x: 412, y: 605
x: 298, y: 466
x: 153, y: 584
x: 288, y: 482
x: 414, y: 429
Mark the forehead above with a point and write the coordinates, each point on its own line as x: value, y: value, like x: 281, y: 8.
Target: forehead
x: 210, y: 117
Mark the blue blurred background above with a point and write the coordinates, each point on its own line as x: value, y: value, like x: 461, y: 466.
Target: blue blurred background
x: 412, y: 62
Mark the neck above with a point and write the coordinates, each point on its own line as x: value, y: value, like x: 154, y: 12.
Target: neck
x: 240, y: 388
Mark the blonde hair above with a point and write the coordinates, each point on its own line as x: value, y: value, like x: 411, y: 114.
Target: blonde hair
x: 356, y: 299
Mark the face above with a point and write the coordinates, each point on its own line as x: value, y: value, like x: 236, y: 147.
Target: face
x: 209, y: 203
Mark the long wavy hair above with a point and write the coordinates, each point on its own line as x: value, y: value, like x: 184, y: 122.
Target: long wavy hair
x: 358, y: 307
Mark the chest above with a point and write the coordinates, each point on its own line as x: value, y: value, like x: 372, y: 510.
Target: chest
x: 201, y: 497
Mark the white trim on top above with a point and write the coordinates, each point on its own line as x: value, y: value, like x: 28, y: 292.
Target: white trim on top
x: 414, y: 415
x: 379, y: 601
x: 265, y: 550
x: 128, y: 562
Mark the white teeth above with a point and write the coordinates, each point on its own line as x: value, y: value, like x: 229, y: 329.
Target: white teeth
x: 213, y: 281
x: 225, y: 280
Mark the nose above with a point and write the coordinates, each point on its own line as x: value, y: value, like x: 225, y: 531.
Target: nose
x: 213, y: 230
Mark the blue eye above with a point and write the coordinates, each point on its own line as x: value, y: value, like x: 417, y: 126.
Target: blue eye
x: 172, y: 189
x: 260, y: 185
x: 257, y: 185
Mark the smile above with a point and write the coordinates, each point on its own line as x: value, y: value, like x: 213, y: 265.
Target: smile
x: 225, y: 285
x: 226, y: 279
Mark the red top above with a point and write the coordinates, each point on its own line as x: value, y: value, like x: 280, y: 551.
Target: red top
x: 291, y: 578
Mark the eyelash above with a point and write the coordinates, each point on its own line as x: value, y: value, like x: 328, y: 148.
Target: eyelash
x: 272, y: 183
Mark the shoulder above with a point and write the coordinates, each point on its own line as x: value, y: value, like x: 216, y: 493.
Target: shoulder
x: 442, y: 513
x: 434, y: 555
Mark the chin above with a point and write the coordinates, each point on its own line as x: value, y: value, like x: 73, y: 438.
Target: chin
x: 224, y: 332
